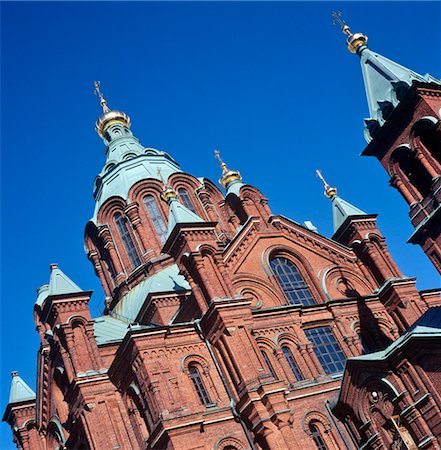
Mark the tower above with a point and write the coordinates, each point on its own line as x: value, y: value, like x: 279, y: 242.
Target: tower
x: 404, y: 133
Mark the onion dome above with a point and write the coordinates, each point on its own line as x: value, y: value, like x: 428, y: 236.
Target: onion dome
x: 228, y: 175
x: 354, y: 41
x: 109, y: 117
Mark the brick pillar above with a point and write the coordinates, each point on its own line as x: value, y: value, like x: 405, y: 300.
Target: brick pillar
x: 109, y: 245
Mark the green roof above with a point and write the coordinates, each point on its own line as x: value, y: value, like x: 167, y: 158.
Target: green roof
x: 341, y: 210
x: 59, y: 284
x: 20, y: 391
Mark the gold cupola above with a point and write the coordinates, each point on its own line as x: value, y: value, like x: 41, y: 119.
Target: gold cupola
x: 228, y: 175
x: 109, y: 117
x: 354, y: 41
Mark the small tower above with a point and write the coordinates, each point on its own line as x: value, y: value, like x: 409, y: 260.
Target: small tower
x: 404, y: 133
x: 20, y: 413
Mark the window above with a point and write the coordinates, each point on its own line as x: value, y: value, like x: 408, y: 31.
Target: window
x: 316, y: 435
x: 186, y: 200
x: 127, y: 240
x: 199, y: 385
x: 268, y: 364
x: 292, y: 283
x: 327, y: 349
x: 292, y: 363
x: 156, y: 217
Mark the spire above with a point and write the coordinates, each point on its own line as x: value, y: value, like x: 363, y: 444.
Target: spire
x: 20, y: 391
x: 229, y: 177
x: 178, y: 213
x: 385, y: 81
x: 127, y: 160
x: 341, y: 209
x: 59, y: 284
x: 109, y: 116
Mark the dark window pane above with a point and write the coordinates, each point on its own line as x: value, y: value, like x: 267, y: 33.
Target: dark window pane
x: 318, y: 440
x: 199, y: 386
x: 186, y: 200
x: 268, y: 364
x: 326, y: 348
x: 292, y: 363
x: 127, y: 240
x: 156, y: 217
x: 291, y: 282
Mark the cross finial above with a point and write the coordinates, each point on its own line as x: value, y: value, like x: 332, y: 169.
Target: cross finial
x: 98, y: 92
x: 336, y: 19
x: 218, y: 157
x: 159, y: 172
x: 330, y: 192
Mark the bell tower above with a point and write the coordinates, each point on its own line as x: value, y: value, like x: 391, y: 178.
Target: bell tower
x: 404, y: 133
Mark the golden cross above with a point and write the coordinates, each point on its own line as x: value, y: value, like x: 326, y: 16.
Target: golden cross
x: 217, y: 156
x: 222, y: 164
x: 336, y: 19
x: 98, y: 92
x: 159, y: 172
x: 319, y: 174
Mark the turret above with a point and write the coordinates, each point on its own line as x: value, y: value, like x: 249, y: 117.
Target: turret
x: 404, y: 133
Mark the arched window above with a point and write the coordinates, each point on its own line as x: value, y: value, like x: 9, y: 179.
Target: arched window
x: 199, y: 385
x: 431, y: 140
x: 127, y: 240
x: 292, y: 283
x: 156, y: 217
x: 268, y: 363
x: 415, y: 173
x: 185, y: 199
x: 316, y: 435
x: 292, y: 363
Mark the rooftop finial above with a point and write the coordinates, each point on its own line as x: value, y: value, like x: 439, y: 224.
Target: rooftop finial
x: 336, y: 19
x: 354, y: 41
x: 228, y: 175
x: 330, y: 192
x: 100, y: 95
x: 168, y: 194
x: 222, y: 164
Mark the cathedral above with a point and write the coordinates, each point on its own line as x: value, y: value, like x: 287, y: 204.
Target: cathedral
x: 227, y: 327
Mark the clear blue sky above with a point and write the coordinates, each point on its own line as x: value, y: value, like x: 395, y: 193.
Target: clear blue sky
x: 269, y: 84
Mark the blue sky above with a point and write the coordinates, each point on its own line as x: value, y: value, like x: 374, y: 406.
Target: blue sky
x: 269, y: 84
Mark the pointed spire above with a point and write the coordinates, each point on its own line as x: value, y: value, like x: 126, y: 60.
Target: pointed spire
x: 229, y: 177
x: 59, y: 284
x: 109, y: 117
x: 385, y: 81
x: 341, y: 209
x: 178, y: 213
x: 20, y: 391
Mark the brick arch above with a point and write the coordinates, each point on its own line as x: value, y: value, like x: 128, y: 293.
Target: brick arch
x: 187, y: 360
x: 285, y: 337
x: 300, y: 261
x: 224, y: 442
x: 185, y: 180
x: 265, y: 342
x: 315, y: 416
x: 406, y: 167
x: 75, y: 321
x: 337, y: 279
x: 259, y: 285
x: 213, y: 190
x: 426, y: 138
x: 109, y: 208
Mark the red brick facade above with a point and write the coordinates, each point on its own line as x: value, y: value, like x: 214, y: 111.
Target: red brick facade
x: 230, y: 331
